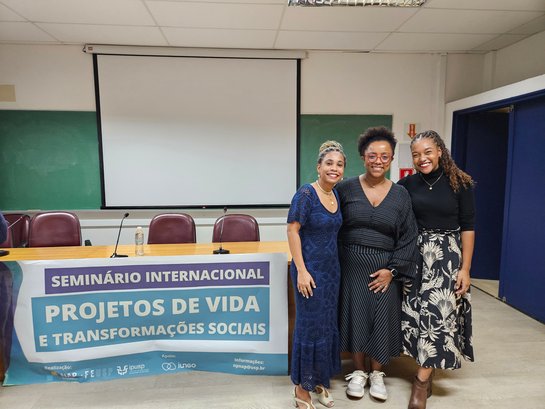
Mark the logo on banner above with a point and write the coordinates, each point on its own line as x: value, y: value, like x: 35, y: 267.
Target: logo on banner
x: 122, y: 370
x: 169, y: 366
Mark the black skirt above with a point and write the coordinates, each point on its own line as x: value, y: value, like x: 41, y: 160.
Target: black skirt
x: 368, y: 322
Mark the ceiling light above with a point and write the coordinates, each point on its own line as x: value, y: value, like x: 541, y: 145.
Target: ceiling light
x: 383, y: 3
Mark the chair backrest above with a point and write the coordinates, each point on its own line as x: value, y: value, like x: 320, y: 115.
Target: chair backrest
x: 237, y: 227
x: 53, y: 229
x: 8, y: 242
x: 20, y: 223
x: 172, y: 228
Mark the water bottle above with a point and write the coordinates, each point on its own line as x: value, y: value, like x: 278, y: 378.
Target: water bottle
x: 139, y: 241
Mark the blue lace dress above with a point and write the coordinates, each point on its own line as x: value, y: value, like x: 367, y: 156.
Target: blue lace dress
x: 315, y: 356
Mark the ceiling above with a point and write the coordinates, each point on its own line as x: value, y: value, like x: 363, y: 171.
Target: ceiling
x: 439, y: 26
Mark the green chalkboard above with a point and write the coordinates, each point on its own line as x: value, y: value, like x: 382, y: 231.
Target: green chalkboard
x: 345, y: 129
x: 49, y: 160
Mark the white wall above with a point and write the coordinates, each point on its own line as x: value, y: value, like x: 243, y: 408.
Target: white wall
x: 57, y: 78
x: 406, y: 86
x: 465, y: 75
x: 520, y: 61
x: 411, y: 87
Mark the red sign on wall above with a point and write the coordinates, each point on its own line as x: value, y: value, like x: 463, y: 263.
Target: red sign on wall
x: 406, y: 172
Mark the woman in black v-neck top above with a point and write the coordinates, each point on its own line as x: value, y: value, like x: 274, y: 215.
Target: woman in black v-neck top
x: 436, y: 305
x: 377, y: 249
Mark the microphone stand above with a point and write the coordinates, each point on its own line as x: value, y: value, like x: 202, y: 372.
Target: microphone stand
x: 114, y: 254
x: 221, y: 250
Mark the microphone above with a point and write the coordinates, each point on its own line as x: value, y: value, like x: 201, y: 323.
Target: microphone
x: 221, y: 250
x: 114, y: 254
x: 10, y: 227
x: 16, y: 221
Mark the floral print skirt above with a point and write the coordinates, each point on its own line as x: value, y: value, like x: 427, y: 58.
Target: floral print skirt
x: 436, y: 323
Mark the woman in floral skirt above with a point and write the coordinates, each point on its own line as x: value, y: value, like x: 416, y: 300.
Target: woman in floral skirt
x: 436, y: 317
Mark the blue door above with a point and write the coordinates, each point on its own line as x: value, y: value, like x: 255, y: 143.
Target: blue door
x: 481, y: 150
x: 522, y: 275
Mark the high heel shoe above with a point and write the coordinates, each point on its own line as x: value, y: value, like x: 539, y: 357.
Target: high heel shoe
x: 324, y: 396
x: 297, y: 401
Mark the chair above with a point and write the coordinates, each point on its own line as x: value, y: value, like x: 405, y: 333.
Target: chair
x: 8, y: 242
x: 236, y: 227
x: 54, y: 229
x: 20, y: 224
x: 172, y: 228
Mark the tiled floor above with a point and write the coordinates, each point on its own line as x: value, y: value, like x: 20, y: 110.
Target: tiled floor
x: 509, y: 373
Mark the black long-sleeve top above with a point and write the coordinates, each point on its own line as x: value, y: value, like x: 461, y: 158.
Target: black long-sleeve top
x: 440, y: 207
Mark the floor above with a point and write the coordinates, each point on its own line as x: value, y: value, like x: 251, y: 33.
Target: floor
x: 491, y: 287
x: 509, y: 372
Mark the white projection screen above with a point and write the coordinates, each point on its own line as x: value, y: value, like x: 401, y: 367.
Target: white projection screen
x: 197, y: 132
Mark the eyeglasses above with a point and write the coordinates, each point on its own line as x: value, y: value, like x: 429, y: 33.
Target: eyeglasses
x: 372, y: 157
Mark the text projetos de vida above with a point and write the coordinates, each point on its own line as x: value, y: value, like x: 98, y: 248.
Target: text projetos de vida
x: 100, y: 311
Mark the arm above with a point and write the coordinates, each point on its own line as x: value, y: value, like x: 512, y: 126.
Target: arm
x: 3, y: 228
x: 468, y: 243
x: 467, y: 225
x: 403, y: 261
x: 305, y: 282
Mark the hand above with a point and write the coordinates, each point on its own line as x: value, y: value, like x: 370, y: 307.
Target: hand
x: 382, y: 279
x: 462, y: 282
x: 305, y: 283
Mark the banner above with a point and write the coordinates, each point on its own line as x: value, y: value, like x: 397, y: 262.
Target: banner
x: 98, y: 319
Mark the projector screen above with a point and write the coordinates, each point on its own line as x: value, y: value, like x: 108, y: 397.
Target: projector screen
x: 197, y: 132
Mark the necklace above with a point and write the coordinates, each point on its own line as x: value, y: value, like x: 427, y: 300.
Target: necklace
x: 428, y: 183
x: 375, y: 185
x: 325, y: 192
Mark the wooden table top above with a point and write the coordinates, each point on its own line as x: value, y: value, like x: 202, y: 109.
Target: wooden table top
x: 78, y: 252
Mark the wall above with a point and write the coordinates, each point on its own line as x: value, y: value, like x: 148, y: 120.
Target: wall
x: 57, y: 78
x: 520, y: 61
x: 411, y: 87
x: 465, y: 75
x: 404, y: 85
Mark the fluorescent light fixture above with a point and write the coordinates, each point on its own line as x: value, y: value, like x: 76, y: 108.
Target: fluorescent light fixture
x: 383, y: 3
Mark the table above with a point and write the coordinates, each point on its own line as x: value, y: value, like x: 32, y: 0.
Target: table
x: 85, y: 252
x: 62, y: 253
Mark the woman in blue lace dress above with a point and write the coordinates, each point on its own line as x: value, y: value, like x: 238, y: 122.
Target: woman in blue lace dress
x: 314, y: 220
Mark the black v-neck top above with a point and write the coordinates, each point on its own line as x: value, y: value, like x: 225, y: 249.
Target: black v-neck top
x: 389, y: 226
x: 440, y: 208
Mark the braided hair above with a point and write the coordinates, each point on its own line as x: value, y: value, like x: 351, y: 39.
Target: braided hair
x: 330, y: 146
x: 457, y: 177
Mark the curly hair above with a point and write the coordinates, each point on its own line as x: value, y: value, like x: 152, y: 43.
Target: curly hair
x: 373, y: 134
x: 330, y: 146
x: 457, y: 177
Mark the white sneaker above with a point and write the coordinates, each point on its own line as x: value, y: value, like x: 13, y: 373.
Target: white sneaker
x: 356, y: 387
x: 378, y: 389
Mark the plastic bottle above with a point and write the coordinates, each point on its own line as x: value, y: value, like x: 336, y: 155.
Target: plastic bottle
x: 139, y: 241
